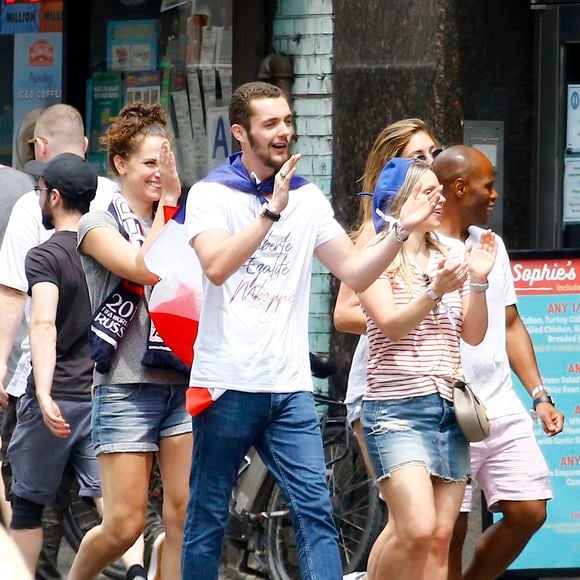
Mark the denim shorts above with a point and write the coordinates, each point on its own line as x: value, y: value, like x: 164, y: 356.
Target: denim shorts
x: 134, y: 417
x: 415, y: 431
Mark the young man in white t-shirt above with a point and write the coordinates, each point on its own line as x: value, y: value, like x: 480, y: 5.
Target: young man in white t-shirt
x: 255, y: 226
x: 508, y: 466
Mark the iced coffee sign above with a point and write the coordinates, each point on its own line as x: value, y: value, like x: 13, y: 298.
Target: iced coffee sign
x: 548, y: 289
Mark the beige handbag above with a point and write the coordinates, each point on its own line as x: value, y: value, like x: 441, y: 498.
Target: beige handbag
x: 470, y: 411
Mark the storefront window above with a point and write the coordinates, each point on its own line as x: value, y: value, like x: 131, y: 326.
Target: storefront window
x: 30, y: 69
x: 177, y: 52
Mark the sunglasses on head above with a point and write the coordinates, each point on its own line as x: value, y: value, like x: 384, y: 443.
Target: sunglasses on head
x: 432, y: 153
x: 32, y: 140
x: 31, y: 143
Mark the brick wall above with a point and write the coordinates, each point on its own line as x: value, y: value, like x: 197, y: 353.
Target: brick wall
x: 303, y: 29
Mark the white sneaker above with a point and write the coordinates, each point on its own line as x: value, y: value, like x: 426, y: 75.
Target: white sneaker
x: 355, y: 576
x: 154, y: 570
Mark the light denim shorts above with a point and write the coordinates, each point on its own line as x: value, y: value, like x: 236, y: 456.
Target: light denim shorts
x: 134, y: 417
x: 415, y: 431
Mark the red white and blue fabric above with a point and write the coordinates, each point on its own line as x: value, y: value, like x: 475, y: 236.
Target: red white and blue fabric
x: 175, y: 302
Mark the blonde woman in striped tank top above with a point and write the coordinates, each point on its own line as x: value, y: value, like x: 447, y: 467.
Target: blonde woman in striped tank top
x: 417, y: 311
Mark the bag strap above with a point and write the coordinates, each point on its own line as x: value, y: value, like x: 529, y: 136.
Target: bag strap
x: 457, y: 374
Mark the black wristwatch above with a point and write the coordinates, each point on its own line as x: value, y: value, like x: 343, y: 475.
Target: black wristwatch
x: 266, y: 213
x: 542, y: 399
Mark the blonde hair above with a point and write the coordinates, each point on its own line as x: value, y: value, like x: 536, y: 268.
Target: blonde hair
x: 401, y: 266
x: 390, y: 143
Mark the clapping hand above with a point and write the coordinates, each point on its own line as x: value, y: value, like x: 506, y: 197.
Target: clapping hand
x: 481, y: 257
x: 419, y: 206
x: 450, y: 277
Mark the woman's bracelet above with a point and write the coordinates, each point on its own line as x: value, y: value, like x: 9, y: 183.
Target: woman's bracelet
x: 477, y: 288
x: 432, y: 294
x: 401, y: 234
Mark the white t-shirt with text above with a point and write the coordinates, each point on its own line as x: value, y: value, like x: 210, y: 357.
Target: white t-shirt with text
x: 253, y: 330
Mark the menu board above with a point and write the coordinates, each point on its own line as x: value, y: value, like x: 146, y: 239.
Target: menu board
x: 548, y: 289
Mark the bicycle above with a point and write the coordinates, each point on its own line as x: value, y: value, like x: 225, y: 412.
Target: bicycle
x: 259, y: 532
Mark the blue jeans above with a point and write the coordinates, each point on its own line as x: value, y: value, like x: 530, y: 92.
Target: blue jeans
x: 285, y: 431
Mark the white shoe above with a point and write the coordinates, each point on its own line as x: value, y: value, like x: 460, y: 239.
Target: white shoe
x: 355, y: 576
x: 154, y: 570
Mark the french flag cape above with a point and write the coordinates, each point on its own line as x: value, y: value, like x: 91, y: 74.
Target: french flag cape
x: 175, y: 302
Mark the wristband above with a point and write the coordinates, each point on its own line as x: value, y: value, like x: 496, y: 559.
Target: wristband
x: 537, y: 390
x: 477, y: 288
x: 432, y: 294
x: 401, y: 234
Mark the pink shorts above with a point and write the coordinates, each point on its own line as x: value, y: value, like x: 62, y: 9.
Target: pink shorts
x: 508, y: 465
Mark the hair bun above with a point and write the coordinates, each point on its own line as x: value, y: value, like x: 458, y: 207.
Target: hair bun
x: 144, y: 113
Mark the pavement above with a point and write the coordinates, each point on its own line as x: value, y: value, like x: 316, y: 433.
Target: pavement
x: 66, y: 556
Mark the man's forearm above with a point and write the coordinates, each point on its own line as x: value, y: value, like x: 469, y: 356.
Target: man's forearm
x: 520, y: 349
x: 12, y: 303
x: 43, y: 352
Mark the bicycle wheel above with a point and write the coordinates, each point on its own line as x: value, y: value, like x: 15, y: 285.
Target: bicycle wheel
x: 79, y: 519
x: 358, y: 512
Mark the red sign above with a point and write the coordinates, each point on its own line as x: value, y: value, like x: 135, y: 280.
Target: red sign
x: 559, y: 276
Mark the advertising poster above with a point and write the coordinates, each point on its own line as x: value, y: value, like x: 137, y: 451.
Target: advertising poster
x: 15, y: 18
x: 573, y: 119
x: 143, y: 86
x: 107, y: 100
x: 548, y: 289
x: 51, y: 16
x: 37, y: 75
x: 131, y: 45
x: 571, y: 198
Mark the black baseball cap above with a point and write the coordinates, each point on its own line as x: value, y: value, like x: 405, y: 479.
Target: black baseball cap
x: 71, y: 174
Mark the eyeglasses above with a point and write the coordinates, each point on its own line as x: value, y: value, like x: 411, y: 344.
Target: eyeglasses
x: 38, y: 189
x: 433, y: 154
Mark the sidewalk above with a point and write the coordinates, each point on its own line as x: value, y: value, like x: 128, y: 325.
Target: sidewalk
x: 66, y: 556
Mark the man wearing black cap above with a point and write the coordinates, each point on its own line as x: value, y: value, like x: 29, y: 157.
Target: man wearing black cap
x: 54, y: 414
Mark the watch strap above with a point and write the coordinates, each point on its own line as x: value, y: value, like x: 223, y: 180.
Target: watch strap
x: 266, y: 213
x: 542, y: 399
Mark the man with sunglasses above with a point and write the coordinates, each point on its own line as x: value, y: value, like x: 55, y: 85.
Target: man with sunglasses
x: 59, y: 129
